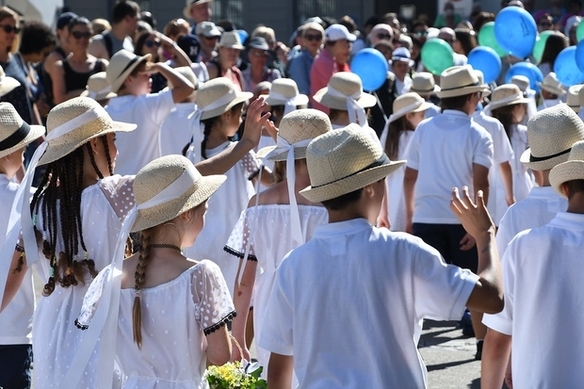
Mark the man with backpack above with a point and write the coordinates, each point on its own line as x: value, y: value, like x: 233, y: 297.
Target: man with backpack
x: 125, y: 16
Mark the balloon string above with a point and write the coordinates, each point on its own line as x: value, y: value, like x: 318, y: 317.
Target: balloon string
x: 385, y: 118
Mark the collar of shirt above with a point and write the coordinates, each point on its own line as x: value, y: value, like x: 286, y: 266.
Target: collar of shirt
x: 544, y: 192
x: 568, y: 221
x: 341, y: 228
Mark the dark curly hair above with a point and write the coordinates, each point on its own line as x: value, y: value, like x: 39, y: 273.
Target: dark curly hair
x: 36, y: 37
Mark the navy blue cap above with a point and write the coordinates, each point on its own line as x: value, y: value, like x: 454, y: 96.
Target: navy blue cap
x: 64, y: 19
x: 190, y: 44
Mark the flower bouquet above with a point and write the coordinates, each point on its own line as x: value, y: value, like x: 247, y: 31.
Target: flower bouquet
x: 236, y: 375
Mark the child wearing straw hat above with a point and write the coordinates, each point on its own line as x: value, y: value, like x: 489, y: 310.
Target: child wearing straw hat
x: 331, y: 279
x: 423, y: 84
x: 129, y: 77
x: 542, y: 278
x: 276, y: 221
x: 16, y: 319
x: 409, y: 110
x: 551, y: 133
x: 552, y: 91
x: 99, y: 89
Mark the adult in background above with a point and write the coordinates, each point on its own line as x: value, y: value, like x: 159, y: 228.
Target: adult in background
x: 554, y: 44
x: 199, y: 11
x: 125, y: 16
x: 448, y: 18
x: 274, y: 61
x: 299, y: 66
x: 257, y: 71
x: 208, y: 35
x: 448, y: 35
x: 401, y: 63
x: 224, y: 64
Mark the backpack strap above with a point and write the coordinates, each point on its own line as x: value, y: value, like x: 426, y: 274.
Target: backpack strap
x: 109, y: 44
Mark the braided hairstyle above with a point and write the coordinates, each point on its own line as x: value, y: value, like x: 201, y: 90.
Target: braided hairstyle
x: 58, y: 198
x: 139, y: 279
x: 209, y: 123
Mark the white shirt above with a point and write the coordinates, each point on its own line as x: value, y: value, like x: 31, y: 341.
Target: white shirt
x: 542, y: 274
x: 547, y: 103
x: 349, y: 304
x: 403, y: 86
x: 443, y: 151
x: 432, y: 111
x: 138, y: 147
x: 523, y: 180
x: 581, y: 113
x: 177, y: 131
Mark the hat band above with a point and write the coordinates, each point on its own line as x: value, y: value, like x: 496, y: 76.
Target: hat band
x: 72, y: 124
x: 405, y: 110
x: 414, y: 89
x: 539, y: 159
x: 172, y: 192
x: 94, y: 94
x: 356, y: 112
x: 15, y: 137
x: 133, y: 61
x: 378, y: 162
x: 462, y: 86
x: 289, y: 105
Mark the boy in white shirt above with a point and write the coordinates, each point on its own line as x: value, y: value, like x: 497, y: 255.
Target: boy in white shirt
x: 359, y: 326
x: 552, y: 92
x: 551, y: 133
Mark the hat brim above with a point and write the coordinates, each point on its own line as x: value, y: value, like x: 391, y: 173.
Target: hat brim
x: 496, y: 104
x: 240, y: 97
x: 187, y: 9
x: 426, y: 92
x: 297, y: 100
x: 54, y: 152
x: 410, y: 62
x: 117, y: 84
x: 365, y: 101
x: 464, y: 91
x: 398, y: 114
x: 552, y: 89
x: 34, y: 133
x: 205, y: 187
x: 109, y: 95
x: 8, y: 85
x: 270, y: 154
x: 350, y: 184
x: 545, y: 164
x: 564, y: 172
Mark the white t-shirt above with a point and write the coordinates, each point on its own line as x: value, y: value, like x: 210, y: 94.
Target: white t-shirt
x: 432, y: 111
x: 523, y: 180
x: 403, y: 86
x: 138, y: 147
x: 443, y: 151
x: 542, y: 274
x: 349, y: 304
x: 177, y: 130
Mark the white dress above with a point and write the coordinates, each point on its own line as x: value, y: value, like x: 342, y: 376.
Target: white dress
x: 522, y: 179
x: 224, y: 208
x: 267, y: 228
x: 55, y: 337
x: 176, y: 316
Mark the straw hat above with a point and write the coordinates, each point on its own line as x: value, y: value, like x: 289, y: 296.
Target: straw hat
x: 551, y: 133
x: 459, y: 81
x: 581, y: 97
x: 121, y: 65
x: 190, y: 4
x: 15, y: 133
x: 573, y: 100
x: 284, y: 90
x: 231, y: 40
x: 552, y: 84
x: 406, y: 103
x: 162, y: 173
x: 98, y: 123
x: 507, y: 94
x: 521, y: 81
x: 187, y: 72
x: 98, y: 88
x: 341, y: 86
x: 572, y: 169
x: 214, y: 90
x: 344, y: 160
x: 423, y: 84
x: 7, y: 83
x: 298, y: 126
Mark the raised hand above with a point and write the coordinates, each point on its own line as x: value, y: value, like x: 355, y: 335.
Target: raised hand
x: 472, y: 214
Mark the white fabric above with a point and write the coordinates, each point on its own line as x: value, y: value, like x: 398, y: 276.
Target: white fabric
x: 396, y: 202
x: 55, y: 338
x: 16, y: 318
x: 289, y: 103
x: 177, y: 130
x: 356, y: 112
x: 523, y: 180
x: 223, y: 211
x: 549, y: 103
x: 266, y: 228
x: 502, y: 152
x: 333, y: 283
x: 403, y: 86
x: 581, y: 113
x: 174, y: 316
x: 443, y: 151
x: 433, y: 111
x: 460, y: 59
x: 543, y: 304
x: 137, y: 148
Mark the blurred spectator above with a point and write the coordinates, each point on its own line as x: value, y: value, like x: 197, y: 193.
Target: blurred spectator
x: 554, y: 44
x: 270, y: 36
x: 401, y: 63
x: 557, y: 11
x: 465, y: 41
x: 199, y: 11
x: 380, y: 32
x: 176, y: 27
x: 257, y: 71
x: 448, y: 18
x: 447, y: 34
x: 208, y: 35
x: 224, y: 64
x: 391, y: 19
x: 574, y: 9
x: 481, y: 19
x: 545, y: 22
x: 100, y: 25
x: 147, y: 17
x: 299, y: 66
x: 141, y: 27
x: 420, y: 28
x: 359, y: 43
x: 416, y: 51
x: 570, y: 29
x: 125, y: 16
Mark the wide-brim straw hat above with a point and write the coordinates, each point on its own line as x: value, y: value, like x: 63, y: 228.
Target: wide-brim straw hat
x: 177, y: 174
x: 187, y: 72
x: 190, y: 4
x: 459, y: 81
x: 7, y: 83
x: 551, y: 133
x: 406, y: 103
x: 120, y: 66
x: 552, y: 84
x: 573, y: 99
x: 15, y: 133
x: 98, y: 88
x: 231, y: 40
x: 284, y: 90
x: 342, y: 86
x: 93, y: 121
x: 423, y: 84
x: 213, y: 91
x: 297, y: 127
x: 572, y: 169
x: 507, y: 94
x: 344, y: 160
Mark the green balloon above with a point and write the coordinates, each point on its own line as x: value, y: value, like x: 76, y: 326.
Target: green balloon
x: 580, y: 31
x: 487, y: 38
x: 540, y: 45
x: 437, y: 56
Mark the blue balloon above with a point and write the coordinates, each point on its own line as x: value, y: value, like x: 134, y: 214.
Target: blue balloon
x: 516, y: 31
x: 528, y: 70
x: 243, y: 35
x: 371, y: 66
x: 487, y: 61
x: 580, y: 55
x: 567, y: 69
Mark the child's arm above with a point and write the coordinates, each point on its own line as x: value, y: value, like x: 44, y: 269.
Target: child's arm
x: 383, y: 218
x: 182, y: 87
x: 496, y: 351
x: 218, y: 347
x: 242, y: 301
x: 15, y: 276
x: 280, y: 371
x: 410, y: 178
x: 507, y: 176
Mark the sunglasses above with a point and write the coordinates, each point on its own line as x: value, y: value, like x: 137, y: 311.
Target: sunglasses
x: 310, y: 37
x: 152, y: 44
x: 384, y: 36
x: 258, y: 53
x: 79, y: 34
x: 9, y: 29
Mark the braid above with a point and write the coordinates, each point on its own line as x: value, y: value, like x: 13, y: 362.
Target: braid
x: 110, y: 164
x: 92, y: 159
x: 207, y: 123
x: 139, y: 279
